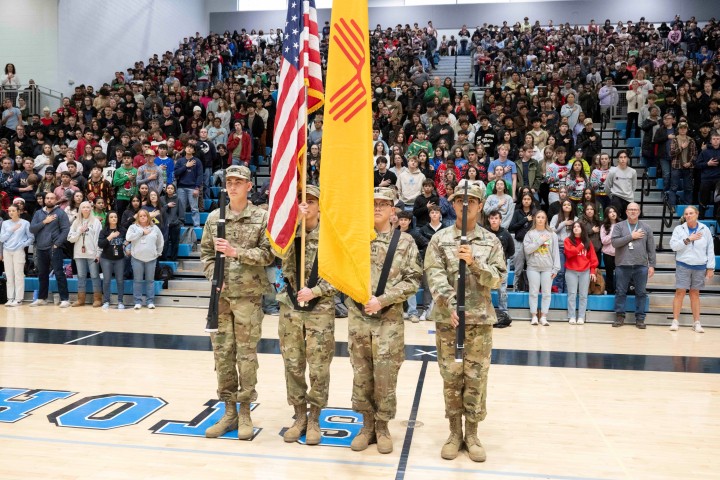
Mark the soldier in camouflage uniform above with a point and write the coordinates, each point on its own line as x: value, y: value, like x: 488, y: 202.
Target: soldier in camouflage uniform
x: 376, y: 331
x: 247, y: 251
x: 306, y: 330
x: 465, y: 383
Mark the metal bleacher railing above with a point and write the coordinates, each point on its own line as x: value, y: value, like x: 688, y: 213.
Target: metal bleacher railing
x: 36, y: 96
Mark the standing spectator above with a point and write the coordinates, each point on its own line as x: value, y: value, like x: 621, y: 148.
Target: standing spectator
x: 598, y: 180
x: 189, y: 175
x: 663, y: 139
x: 589, y: 140
x: 501, y: 202
x: 580, y: 268
x: 509, y: 169
x: 529, y: 174
x: 494, y: 218
x: 405, y: 225
x: 543, y: 263
x: 608, y: 251
x: 112, y: 258
x: 423, y: 202
x: 410, y: 183
x: 562, y: 225
x: 695, y: 258
x: 682, y: 163
x: 124, y: 182
x: 147, y: 245
x: 708, y: 162
x: 609, y: 98
x: 15, y: 236
x: 150, y: 173
x: 10, y: 82
x: 50, y: 226
x: 634, y: 261
x: 84, y: 234
x: 636, y: 97
x: 173, y: 223
x: 519, y: 226
x: 571, y: 111
x: 591, y: 223
x: 11, y: 118
x: 621, y: 183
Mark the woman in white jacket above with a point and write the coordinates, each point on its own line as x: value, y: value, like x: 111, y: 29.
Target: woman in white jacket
x: 636, y: 98
x: 692, y: 243
x: 84, y: 233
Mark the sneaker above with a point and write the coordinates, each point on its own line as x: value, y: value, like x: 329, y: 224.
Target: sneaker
x: 10, y: 303
x: 414, y: 319
x: 106, y: 305
x: 121, y: 306
x: 572, y: 321
x: 64, y: 304
x: 674, y: 326
x: 423, y: 317
x: 405, y: 316
x: 138, y: 306
x: 534, y: 320
x: 151, y: 306
x: 544, y: 322
x: 38, y: 303
x: 698, y: 328
x: 580, y: 321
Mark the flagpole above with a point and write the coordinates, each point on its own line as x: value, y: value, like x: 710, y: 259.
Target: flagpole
x: 303, y: 186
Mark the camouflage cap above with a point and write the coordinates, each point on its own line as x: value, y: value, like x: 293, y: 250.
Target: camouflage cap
x: 312, y: 190
x: 474, y: 190
x: 384, y: 193
x: 238, y: 171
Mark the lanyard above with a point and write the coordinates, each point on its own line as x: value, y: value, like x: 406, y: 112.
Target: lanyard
x: 633, y: 229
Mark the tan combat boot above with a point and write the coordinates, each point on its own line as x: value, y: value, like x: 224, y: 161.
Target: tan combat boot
x: 97, y: 299
x: 80, y: 300
x: 454, y: 442
x: 293, y: 433
x: 245, y: 426
x: 227, y: 423
x: 313, y: 435
x: 366, y: 436
x: 476, y: 452
x: 384, y: 440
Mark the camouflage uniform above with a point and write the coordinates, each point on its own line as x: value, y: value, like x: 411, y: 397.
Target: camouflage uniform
x: 240, y: 307
x: 307, y: 336
x: 464, y: 383
x: 376, y: 342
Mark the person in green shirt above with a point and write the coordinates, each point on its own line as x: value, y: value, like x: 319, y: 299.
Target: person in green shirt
x: 124, y: 181
x: 420, y: 143
x: 437, y: 90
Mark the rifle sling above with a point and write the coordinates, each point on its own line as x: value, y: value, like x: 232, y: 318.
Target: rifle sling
x: 311, y: 282
x: 385, y: 273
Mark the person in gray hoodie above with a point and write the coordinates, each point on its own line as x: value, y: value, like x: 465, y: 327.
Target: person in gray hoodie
x: 147, y: 245
x: 51, y: 226
x: 542, y: 252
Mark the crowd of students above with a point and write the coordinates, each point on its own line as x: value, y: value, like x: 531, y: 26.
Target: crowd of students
x: 155, y: 137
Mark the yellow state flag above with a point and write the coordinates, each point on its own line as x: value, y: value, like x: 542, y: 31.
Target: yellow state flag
x: 346, y: 174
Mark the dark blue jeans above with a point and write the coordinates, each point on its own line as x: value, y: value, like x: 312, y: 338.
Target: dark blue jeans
x: 685, y: 194
x: 47, y: 260
x: 639, y: 276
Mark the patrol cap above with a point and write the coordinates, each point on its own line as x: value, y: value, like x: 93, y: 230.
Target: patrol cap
x: 238, y: 171
x: 313, y: 190
x: 474, y: 190
x: 384, y: 193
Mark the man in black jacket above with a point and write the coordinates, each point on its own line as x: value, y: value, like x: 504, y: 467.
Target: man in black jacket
x: 508, y: 245
x: 589, y: 140
x: 423, y: 202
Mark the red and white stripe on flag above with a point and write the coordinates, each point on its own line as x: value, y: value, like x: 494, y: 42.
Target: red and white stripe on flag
x: 300, y: 65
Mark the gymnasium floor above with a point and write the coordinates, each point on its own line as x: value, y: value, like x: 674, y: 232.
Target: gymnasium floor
x: 115, y: 395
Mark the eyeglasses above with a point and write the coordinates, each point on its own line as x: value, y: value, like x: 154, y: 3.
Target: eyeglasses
x: 380, y: 206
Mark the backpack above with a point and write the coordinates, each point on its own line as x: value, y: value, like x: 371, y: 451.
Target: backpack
x: 503, y: 319
x: 164, y: 273
x: 190, y: 238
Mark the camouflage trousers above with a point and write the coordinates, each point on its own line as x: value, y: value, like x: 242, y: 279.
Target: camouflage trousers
x: 235, y: 348
x: 465, y: 384
x: 377, y: 350
x: 306, y: 338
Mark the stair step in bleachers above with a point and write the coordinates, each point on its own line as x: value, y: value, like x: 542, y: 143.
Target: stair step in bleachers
x: 198, y: 232
x: 32, y: 283
x: 203, y: 218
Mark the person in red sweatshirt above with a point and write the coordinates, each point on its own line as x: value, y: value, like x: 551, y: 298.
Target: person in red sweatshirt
x: 580, y: 267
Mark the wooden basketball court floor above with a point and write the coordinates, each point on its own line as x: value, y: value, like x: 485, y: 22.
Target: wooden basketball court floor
x: 126, y: 394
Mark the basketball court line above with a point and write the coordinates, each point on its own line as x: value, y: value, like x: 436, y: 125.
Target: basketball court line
x: 83, y: 338
x: 537, y: 358
x: 402, y: 466
x: 497, y: 473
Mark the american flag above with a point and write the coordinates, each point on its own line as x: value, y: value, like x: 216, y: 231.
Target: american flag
x: 300, y: 66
